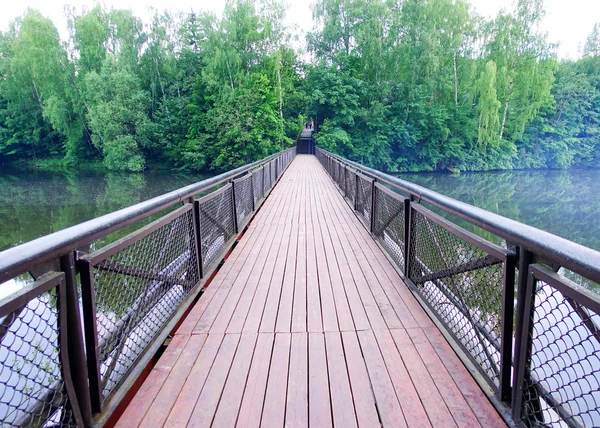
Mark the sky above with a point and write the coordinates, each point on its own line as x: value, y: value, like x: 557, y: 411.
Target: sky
x: 567, y: 22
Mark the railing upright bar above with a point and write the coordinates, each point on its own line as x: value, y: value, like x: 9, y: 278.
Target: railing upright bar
x: 88, y: 395
x: 252, y: 191
x: 88, y: 303
x: 373, y: 204
x: 234, y: 208
x: 407, y: 237
x: 356, y: 184
x: 524, y: 324
x: 506, y: 335
x: 197, y: 235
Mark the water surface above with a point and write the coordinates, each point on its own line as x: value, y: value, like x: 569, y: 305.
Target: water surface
x: 36, y: 203
x: 566, y: 203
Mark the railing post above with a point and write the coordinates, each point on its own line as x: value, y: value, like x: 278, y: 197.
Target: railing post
x: 77, y: 360
x: 88, y: 304
x: 373, y: 204
x: 197, y: 235
x: 233, y: 207
x: 252, y: 191
x: 407, y: 236
x: 506, y: 338
x: 525, y: 311
x: 356, y: 181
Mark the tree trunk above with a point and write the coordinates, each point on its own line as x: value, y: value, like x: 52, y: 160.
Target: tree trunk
x: 455, y: 82
x: 280, y: 102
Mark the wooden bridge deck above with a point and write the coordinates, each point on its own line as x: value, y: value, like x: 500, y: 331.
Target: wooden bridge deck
x: 308, y: 324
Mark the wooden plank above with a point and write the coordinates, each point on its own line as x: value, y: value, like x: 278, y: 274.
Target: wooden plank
x: 207, y: 402
x: 240, y: 311
x: 235, y: 261
x: 412, y: 408
x: 432, y: 400
x: 259, y: 300
x: 269, y: 314
x: 276, y: 395
x: 163, y: 403
x: 247, y: 278
x: 476, y: 398
x: 342, y: 403
x: 313, y: 295
x: 143, y: 399
x: 284, y: 313
x: 319, y: 403
x: 254, y: 393
x: 328, y: 309
x: 371, y: 307
x: 296, y: 413
x: 229, y: 405
x: 299, y: 307
x: 385, y: 395
x: 385, y: 266
x: 184, y: 405
x: 359, y: 314
x: 454, y: 400
x: 344, y: 314
x: 364, y: 402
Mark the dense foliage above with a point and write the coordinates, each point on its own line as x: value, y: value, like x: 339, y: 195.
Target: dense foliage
x: 189, y: 91
x: 400, y: 85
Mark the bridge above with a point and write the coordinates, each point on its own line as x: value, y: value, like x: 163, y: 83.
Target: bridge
x: 300, y: 290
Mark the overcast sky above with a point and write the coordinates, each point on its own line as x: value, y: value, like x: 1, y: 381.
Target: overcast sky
x: 567, y: 22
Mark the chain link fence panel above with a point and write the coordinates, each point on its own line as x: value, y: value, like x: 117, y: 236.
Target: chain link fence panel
x: 364, y: 195
x: 562, y: 372
x: 216, y: 224
x: 389, y: 223
x: 243, y: 199
x: 138, y: 288
x: 462, y: 283
x: 33, y: 357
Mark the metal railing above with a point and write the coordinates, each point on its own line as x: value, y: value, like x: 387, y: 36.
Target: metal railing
x: 129, y: 296
x: 532, y: 334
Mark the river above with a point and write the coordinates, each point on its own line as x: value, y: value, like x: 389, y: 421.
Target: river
x: 563, y: 202
x: 36, y: 203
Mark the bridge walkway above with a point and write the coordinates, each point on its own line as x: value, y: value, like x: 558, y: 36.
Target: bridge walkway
x: 308, y: 324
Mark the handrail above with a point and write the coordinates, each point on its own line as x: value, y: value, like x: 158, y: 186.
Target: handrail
x: 14, y: 261
x: 174, y: 258
x: 468, y: 284
x: 578, y: 258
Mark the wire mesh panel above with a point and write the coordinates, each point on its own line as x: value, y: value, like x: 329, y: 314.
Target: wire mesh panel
x: 364, y: 195
x: 35, y: 387
x: 273, y: 172
x: 257, y: 185
x: 561, y: 376
x: 460, y: 276
x: 243, y: 199
x: 134, y: 286
x: 217, y: 225
x: 350, y: 187
x: 267, y: 178
x: 388, y: 227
